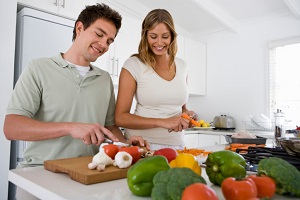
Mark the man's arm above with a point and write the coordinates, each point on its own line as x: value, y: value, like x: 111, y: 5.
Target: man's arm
x: 18, y: 127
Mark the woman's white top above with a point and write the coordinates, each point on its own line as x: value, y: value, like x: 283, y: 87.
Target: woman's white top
x: 158, y: 98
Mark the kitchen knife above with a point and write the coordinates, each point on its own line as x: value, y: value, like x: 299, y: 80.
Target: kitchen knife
x: 109, y: 141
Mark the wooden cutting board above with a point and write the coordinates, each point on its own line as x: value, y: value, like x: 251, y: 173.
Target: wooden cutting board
x: 78, y: 170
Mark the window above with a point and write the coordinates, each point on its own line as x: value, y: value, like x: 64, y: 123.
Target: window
x: 284, y: 79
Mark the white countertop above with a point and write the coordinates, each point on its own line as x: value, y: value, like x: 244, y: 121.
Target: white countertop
x: 266, y: 134
x: 49, y: 185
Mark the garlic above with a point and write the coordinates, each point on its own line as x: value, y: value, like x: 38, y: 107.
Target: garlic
x: 100, y: 161
x: 123, y: 159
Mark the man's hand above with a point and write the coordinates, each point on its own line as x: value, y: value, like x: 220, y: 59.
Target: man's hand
x: 91, y: 133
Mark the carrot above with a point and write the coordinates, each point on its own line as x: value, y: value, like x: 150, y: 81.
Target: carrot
x: 236, y: 145
x: 192, y: 151
x: 185, y: 116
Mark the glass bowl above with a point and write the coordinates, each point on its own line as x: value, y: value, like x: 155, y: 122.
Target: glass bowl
x: 291, y: 146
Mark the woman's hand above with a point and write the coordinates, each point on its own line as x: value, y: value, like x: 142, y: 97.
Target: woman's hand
x: 175, y: 124
x: 193, y: 115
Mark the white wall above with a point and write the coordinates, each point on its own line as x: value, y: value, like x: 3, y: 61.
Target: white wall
x: 7, y: 41
x: 237, y: 67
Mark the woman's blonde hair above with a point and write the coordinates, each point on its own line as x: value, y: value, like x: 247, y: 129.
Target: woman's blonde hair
x: 154, y: 18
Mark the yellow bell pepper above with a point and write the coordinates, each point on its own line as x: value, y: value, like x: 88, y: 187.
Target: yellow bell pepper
x: 186, y: 160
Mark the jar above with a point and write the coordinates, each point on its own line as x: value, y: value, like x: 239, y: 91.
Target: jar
x: 279, y: 127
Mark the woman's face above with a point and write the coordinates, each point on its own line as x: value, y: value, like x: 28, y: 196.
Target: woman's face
x: 159, y: 39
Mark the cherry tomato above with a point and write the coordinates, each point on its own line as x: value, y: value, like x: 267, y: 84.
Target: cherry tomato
x: 134, y: 151
x: 265, y: 185
x: 234, y: 189
x: 111, y: 150
x: 198, y: 191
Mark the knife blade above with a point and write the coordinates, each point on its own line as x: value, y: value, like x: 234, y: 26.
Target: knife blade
x: 109, y: 141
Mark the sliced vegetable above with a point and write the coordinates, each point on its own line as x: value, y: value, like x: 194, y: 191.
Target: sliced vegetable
x: 235, y: 189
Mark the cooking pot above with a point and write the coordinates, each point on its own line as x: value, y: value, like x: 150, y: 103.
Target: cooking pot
x: 224, y: 122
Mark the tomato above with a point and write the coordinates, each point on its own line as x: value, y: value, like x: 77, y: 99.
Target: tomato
x: 169, y: 153
x: 111, y: 150
x: 265, y: 185
x: 234, y: 189
x: 134, y: 151
x: 198, y: 191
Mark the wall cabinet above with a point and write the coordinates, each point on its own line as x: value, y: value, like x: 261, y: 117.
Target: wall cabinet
x: 194, y: 53
x: 66, y: 8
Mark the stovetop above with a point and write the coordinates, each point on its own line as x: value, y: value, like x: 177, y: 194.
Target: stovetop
x: 254, y: 154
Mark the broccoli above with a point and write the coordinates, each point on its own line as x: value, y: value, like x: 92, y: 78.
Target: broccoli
x: 285, y: 175
x: 169, y: 184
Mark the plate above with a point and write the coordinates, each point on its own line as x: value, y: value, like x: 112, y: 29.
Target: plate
x: 197, y: 127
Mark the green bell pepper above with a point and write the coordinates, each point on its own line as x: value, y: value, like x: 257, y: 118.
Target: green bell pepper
x: 223, y: 164
x: 140, y: 175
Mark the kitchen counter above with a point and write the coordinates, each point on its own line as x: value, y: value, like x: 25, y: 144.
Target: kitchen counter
x: 49, y: 185
x: 266, y: 134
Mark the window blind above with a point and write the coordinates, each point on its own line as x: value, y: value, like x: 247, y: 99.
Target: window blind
x: 284, y: 79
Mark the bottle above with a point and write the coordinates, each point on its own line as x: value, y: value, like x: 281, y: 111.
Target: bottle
x: 279, y: 127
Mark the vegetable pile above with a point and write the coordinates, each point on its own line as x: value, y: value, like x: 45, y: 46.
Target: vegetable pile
x: 110, y: 154
x: 172, y: 176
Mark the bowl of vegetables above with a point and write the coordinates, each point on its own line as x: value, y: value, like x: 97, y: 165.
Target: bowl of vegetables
x: 291, y: 146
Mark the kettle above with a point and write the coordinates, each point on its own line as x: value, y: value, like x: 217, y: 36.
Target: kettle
x: 224, y: 122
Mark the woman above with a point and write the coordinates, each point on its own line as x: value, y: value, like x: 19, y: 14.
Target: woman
x: 157, y: 79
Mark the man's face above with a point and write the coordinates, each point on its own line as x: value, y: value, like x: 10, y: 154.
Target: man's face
x: 95, y: 40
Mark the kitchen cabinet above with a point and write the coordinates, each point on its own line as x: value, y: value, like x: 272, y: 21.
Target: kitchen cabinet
x: 65, y: 8
x: 126, y: 44
x: 210, y: 140
x: 180, y: 45
x: 194, y: 53
x: 191, y: 140
x: 195, y: 56
x: 199, y: 140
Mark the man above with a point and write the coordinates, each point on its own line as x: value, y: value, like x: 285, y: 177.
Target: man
x: 64, y: 105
